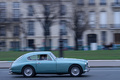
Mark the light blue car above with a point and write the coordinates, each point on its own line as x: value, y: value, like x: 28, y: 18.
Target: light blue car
x: 34, y: 63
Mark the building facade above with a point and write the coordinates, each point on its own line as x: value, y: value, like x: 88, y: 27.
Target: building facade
x: 21, y: 23
x: 104, y: 22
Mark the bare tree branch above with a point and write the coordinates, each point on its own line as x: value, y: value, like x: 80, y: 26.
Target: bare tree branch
x: 50, y: 13
x: 79, y: 24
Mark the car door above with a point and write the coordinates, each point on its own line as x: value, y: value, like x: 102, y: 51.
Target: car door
x: 46, y: 66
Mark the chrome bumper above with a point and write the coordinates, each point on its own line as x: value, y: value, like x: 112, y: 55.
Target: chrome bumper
x: 87, y: 69
x: 10, y: 71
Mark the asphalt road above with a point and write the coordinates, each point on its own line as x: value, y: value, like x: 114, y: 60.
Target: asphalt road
x: 94, y: 74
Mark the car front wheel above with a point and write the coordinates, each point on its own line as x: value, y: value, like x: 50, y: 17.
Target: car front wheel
x: 28, y: 71
x: 75, y: 70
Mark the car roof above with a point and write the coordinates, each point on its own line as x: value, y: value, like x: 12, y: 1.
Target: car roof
x: 36, y: 53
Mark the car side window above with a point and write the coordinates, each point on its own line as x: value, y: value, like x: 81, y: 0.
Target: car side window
x: 44, y: 57
x: 34, y: 57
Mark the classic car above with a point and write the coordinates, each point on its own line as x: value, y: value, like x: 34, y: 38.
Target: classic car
x: 44, y: 62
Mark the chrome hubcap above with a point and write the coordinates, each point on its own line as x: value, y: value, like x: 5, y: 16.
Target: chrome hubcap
x: 75, y: 71
x: 28, y: 71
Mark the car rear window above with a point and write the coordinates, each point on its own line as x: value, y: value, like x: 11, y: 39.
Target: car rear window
x: 34, y: 57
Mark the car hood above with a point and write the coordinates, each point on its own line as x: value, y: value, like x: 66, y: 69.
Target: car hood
x: 71, y: 59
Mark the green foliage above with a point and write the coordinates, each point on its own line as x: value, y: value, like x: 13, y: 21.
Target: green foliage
x: 94, y: 55
x: 89, y: 55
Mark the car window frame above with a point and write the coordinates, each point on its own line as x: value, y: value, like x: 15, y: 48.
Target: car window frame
x: 37, y: 59
x: 53, y: 56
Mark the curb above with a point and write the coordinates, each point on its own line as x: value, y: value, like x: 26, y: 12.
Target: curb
x: 5, y: 64
x: 104, y: 60
x: 5, y: 61
x: 4, y: 67
x: 104, y: 63
x: 104, y: 66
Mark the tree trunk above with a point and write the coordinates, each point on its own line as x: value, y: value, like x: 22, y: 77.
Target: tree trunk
x: 76, y: 43
x: 45, y: 42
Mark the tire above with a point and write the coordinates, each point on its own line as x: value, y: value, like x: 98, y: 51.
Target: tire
x: 28, y: 71
x: 75, y: 70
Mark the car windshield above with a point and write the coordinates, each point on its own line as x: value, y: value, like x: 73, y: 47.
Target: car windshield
x: 53, y: 55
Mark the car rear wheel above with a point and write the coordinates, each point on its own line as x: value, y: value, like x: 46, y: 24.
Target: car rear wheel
x: 28, y: 71
x: 75, y: 70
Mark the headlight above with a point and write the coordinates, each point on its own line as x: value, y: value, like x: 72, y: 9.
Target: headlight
x: 86, y: 65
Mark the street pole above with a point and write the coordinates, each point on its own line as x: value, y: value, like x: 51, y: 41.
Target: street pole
x: 61, y: 44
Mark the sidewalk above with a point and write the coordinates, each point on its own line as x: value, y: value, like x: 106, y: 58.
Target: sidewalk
x: 92, y: 63
x: 5, y: 64
x: 104, y: 63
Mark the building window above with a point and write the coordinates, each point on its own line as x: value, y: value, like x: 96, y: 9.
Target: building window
x: 30, y: 10
x: 2, y: 44
x: 2, y: 31
x: 65, y: 43
x: 47, y: 10
x: 15, y: 44
x: 16, y: 31
x: 91, y: 2
x: 16, y: 14
x: 2, y: 5
x: 103, y: 37
x: 62, y: 10
x: 2, y: 12
x: 92, y: 19
x: 91, y: 38
x: 103, y: 19
x: 117, y: 38
x: 2, y: 15
x: 16, y: 5
x: 30, y: 28
x: 31, y: 43
x: 16, y: 11
x: 63, y: 27
x: 117, y: 1
x: 48, y: 43
x: 116, y: 20
x: 102, y: 2
x: 80, y: 2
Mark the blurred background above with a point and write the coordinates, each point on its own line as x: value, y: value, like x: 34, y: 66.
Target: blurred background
x: 44, y: 25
